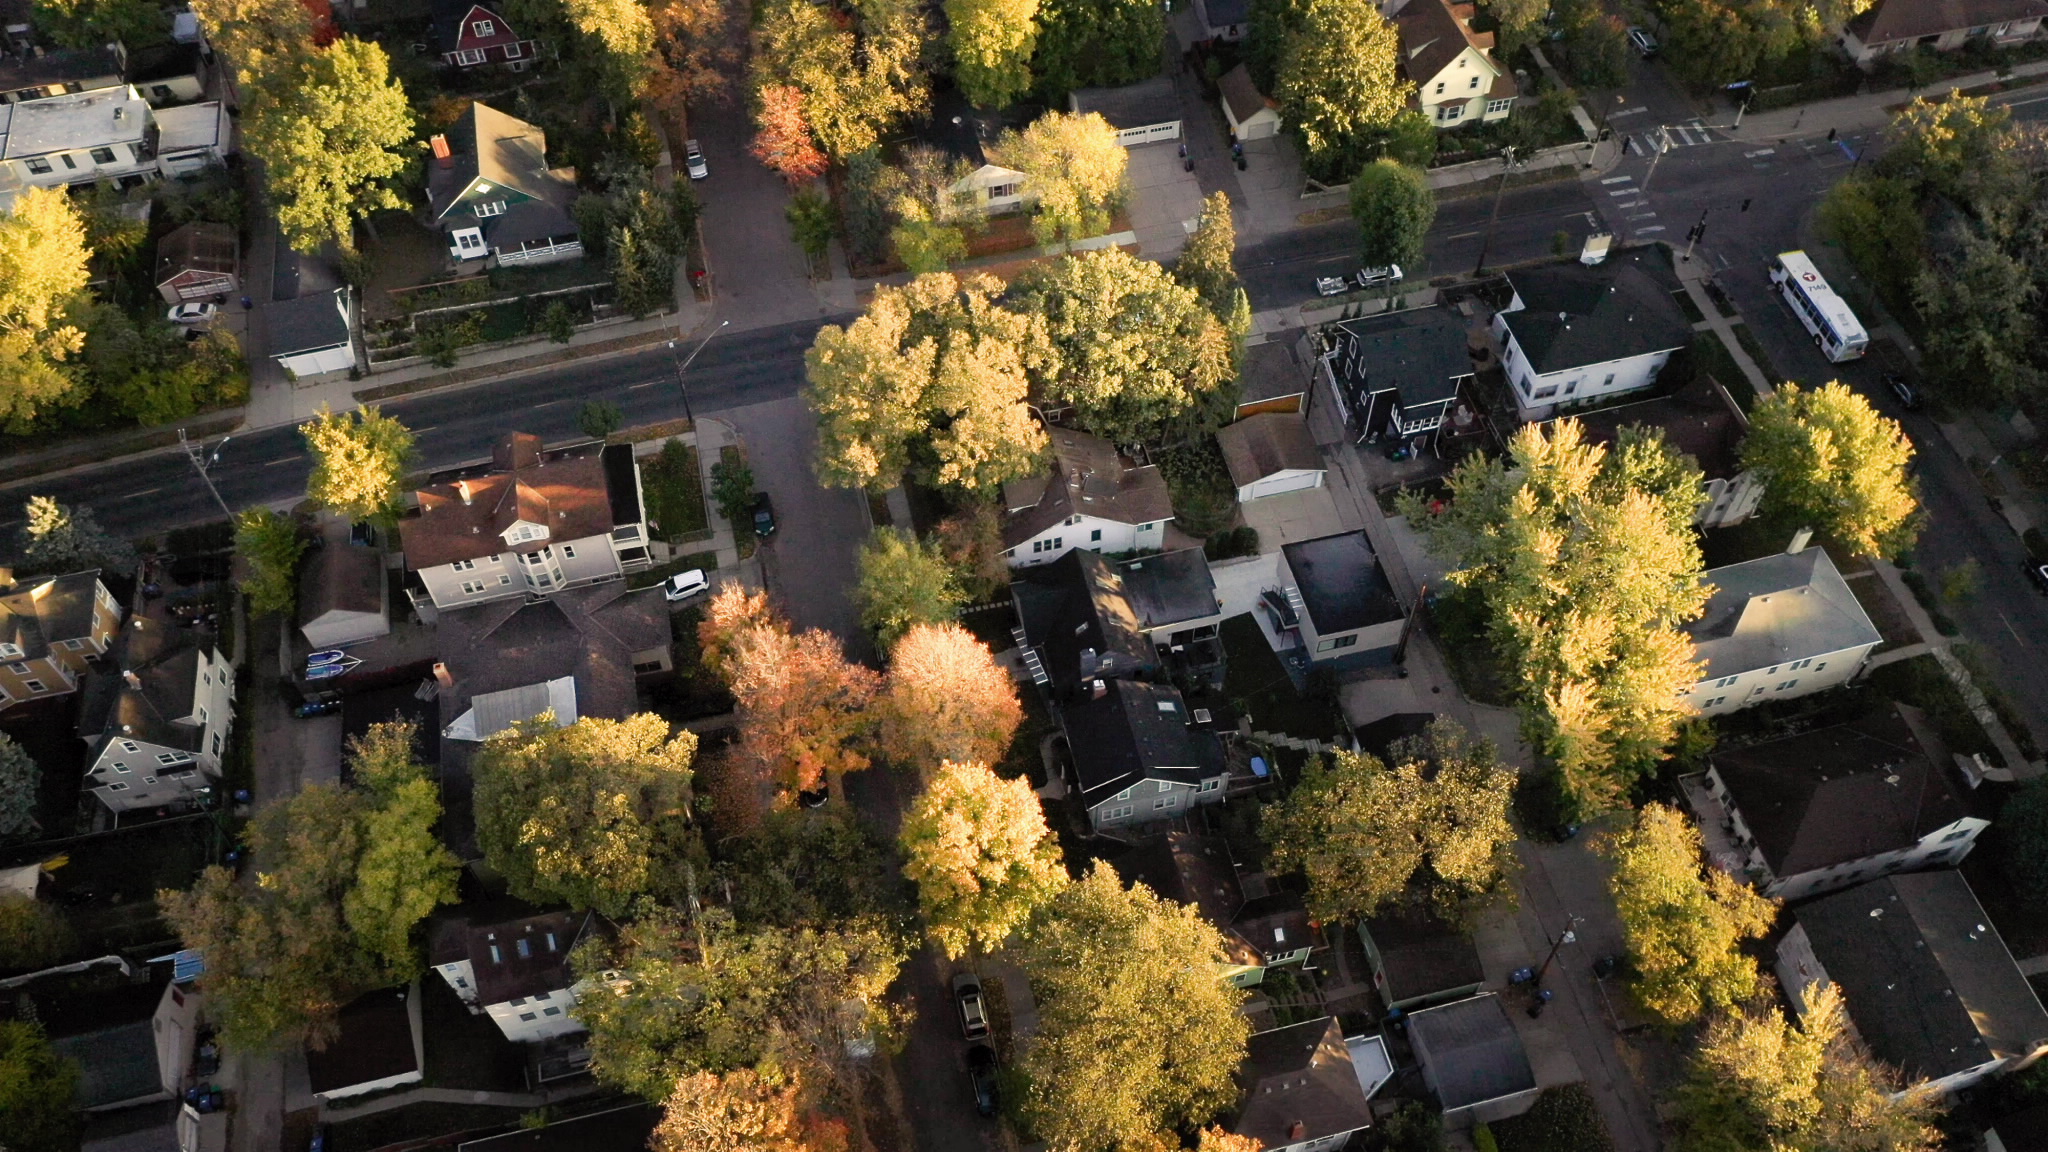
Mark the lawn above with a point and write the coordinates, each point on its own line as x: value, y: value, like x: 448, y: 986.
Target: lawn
x: 1885, y: 612
x: 1258, y: 686
x: 675, y: 493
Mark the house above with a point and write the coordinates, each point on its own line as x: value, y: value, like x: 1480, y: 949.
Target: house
x: 158, y: 727
x: 1456, y: 78
x: 1275, y: 377
x: 1890, y: 26
x: 491, y: 190
x: 1777, y: 627
x: 198, y: 261
x: 1926, y: 981
x: 50, y: 626
x: 35, y: 74
x: 1835, y: 806
x: 986, y: 188
x: 1092, y: 497
x: 1339, y: 603
x: 1139, y: 755
x: 1263, y: 926
x: 2023, y: 1131
x: 1083, y: 618
x: 192, y: 138
x: 344, y: 597
x: 174, y: 73
x: 516, y: 972
x: 1270, y: 454
x: 1473, y: 1060
x: 1576, y: 332
x: 313, y: 334
x: 1301, y: 1089
x: 1252, y: 114
x: 377, y: 1046
x: 624, y: 1129
x: 1396, y: 374
x: 1147, y: 112
x: 471, y: 34
x: 528, y: 522
x: 575, y: 654
x: 1700, y: 420
x: 1418, y: 960
x: 83, y: 138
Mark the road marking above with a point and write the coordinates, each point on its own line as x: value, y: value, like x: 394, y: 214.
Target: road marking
x: 144, y: 492
x: 2008, y: 626
x: 549, y: 404
x: 1632, y: 204
x: 1619, y: 180
x: 1618, y: 192
x: 1628, y: 111
x: 1651, y: 228
x: 428, y: 428
x: 280, y: 460
x: 1644, y: 216
x: 1759, y: 152
x: 637, y: 387
x: 2018, y: 103
x: 1462, y: 236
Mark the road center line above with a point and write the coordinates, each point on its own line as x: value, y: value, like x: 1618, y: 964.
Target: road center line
x: 646, y: 384
x: 279, y: 460
x: 144, y: 492
x: 1461, y: 235
x: 1619, y: 180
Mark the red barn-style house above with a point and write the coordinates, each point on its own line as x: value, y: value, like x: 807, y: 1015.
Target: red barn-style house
x: 474, y: 34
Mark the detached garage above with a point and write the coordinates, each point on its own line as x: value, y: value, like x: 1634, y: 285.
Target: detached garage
x: 1269, y: 454
x: 310, y: 335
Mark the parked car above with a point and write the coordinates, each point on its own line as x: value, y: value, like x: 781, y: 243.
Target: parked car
x: 981, y: 1074
x: 193, y: 312
x: 764, y: 516
x: 1903, y: 389
x: 1332, y: 285
x: 2038, y: 573
x: 684, y: 585
x: 973, y: 1012
x: 312, y: 708
x: 693, y: 159
x: 1374, y: 277
x: 1644, y: 43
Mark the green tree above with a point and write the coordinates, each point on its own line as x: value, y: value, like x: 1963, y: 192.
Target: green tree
x: 1133, y: 351
x: 270, y: 546
x: 359, y: 461
x: 404, y: 872
x: 1830, y: 461
x: 20, y: 778
x: 904, y: 582
x: 574, y: 815
x: 598, y: 419
x: 716, y: 997
x: 1684, y: 920
x: 332, y: 130
x: 992, y: 43
x: 926, y: 245
x: 1095, y: 44
x: 1339, y: 78
x: 983, y: 860
x: 55, y: 540
x: 2023, y: 839
x: 36, y: 1087
x: 1978, y: 304
x: 1394, y: 208
x: 1206, y: 264
x: 1949, y: 147
x: 1074, y: 167
x: 732, y: 489
x: 1130, y: 1010
x: 857, y: 83
x: 33, y: 933
x: 1710, y: 43
x: 1587, y: 563
x: 1518, y: 20
x: 135, y: 24
x: 810, y: 218
x: 1877, y: 222
x: 800, y: 868
x: 42, y: 278
x: 257, y: 36
x: 623, y: 31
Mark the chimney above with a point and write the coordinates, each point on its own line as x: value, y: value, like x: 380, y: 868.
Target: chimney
x: 1799, y: 541
x: 462, y: 486
x: 1097, y: 690
x: 133, y: 680
x: 1297, y: 1130
x: 442, y: 676
x: 443, y: 158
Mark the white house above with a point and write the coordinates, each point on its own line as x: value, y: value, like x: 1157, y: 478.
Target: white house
x: 79, y: 138
x: 1575, y: 332
x: 192, y: 138
x: 312, y: 334
x: 1092, y: 497
x: 1456, y: 78
x: 1835, y: 806
x: 1271, y: 453
x: 1140, y: 755
x: 1338, y: 602
x: 516, y: 972
x: 1251, y: 113
x: 1928, y: 983
x: 158, y: 727
x: 1302, y: 1090
x: 1147, y: 112
x: 1943, y: 25
x: 528, y: 523
x: 1777, y: 627
x: 31, y: 73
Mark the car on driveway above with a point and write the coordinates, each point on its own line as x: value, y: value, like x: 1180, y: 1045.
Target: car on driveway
x: 193, y: 312
x: 973, y: 1011
x: 764, y: 516
x: 1903, y: 389
x: 981, y: 1074
x: 2038, y: 573
x: 1644, y: 43
x: 684, y: 585
x: 693, y: 159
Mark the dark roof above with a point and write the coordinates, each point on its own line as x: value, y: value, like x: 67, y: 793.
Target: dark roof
x: 1890, y: 20
x: 1419, y: 354
x: 1421, y: 955
x: 163, y: 660
x: 163, y: 62
x: 1132, y: 732
x: 307, y: 324
x: 1242, y: 95
x: 1469, y: 1051
x: 463, y: 513
x: 373, y: 1041
x: 2024, y: 1131
x: 1299, y: 1084
x: 1695, y: 420
x: 1266, y: 444
x: 200, y: 245
x: 1842, y: 793
x: 1925, y: 977
x: 114, y: 1064
x: 1075, y: 612
x: 1256, y: 921
x: 1576, y: 315
x: 507, y: 152
x: 41, y: 610
x: 953, y: 128
x: 1139, y: 105
x: 1271, y: 370
x: 618, y: 1130
x: 340, y: 576
x: 502, y: 970
x: 1434, y: 33
x: 448, y: 16
x: 622, y: 483
x: 1088, y: 477
x: 1774, y: 609
x: 1341, y: 583
x: 64, y: 66
x: 1227, y: 13
x: 1170, y: 588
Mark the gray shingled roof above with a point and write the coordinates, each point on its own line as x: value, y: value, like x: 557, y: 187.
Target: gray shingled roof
x: 1470, y: 1052
x: 1575, y: 315
x: 1088, y: 477
x: 1420, y: 354
x: 1267, y: 444
x: 1891, y: 20
x: 1776, y: 609
x: 1134, y: 732
x: 1139, y: 105
x: 1299, y: 1085
x: 307, y: 324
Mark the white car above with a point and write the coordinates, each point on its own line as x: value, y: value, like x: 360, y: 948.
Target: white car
x: 1373, y: 277
x: 193, y: 312
x: 693, y: 159
x: 1332, y: 285
x: 683, y: 585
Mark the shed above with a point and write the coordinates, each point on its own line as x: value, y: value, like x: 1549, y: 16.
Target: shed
x: 1418, y: 960
x: 343, y: 595
x: 197, y: 261
x: 1473, y: 1059
x: 377, y: 1047
x: 310, y: 335
x: 1252, y: 114
x: 1269, y: 454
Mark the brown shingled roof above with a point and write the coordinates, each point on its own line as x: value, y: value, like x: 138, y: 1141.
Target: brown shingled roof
x: 1888, y: 21
x: 1260, y: 446
x: 1243, y: 96
x: 1433, y: 33
x: 466, y: 517
x: 1090, y: 478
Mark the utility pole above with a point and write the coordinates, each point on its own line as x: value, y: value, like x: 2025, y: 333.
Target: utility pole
x: 1567, y: 937
x: 685, y: 365
x: 1663, y: 146
x: 201, y: 460
x: 1693, y: 234
x: 1486, y: 242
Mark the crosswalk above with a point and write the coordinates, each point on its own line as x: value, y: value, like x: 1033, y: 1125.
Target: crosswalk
x: 1629, y: 207
x: 1646, y: 141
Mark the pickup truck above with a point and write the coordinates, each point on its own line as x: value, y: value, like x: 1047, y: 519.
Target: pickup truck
x: 1363, y: 278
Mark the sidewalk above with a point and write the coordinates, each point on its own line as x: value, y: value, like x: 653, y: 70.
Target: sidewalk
x: 1693, y: 275
x: 2018, y: 767
x: 1865, y: 111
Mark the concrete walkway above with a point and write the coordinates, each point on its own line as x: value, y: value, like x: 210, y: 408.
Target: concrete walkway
x: 1866, y: 110
x: 1692, y: 274
x: 2018, y: 767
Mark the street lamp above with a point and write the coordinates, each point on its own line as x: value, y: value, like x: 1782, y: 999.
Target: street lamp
x: 202, y: 461
x: 1567, y: 937
x: 684, y: 366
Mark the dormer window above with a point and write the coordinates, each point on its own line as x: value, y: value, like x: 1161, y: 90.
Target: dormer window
x: 523, y: 531
x: 10, y: 651
x: 469, y: 242
x: 483, y: 27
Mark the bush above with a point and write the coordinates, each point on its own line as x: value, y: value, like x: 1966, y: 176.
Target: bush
x: 1564, y: 1119
x: 559, y: 322
x: 1232, y: 542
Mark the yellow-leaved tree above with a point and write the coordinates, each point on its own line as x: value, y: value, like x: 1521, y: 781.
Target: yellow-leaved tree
x: 981, y: 855
x: 42, y: 276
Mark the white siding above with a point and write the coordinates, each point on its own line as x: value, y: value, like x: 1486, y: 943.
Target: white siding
x: 1539, y: 393
x: 511, y: 573
x: 537, y: 1017
x: 339, y: 358
x: 1105, y: 536
x: 1793, y: 678
x: 1150, y: 800
x: 1458, y: 94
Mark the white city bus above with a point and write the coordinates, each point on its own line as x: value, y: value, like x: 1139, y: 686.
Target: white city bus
x: 1826, y: 316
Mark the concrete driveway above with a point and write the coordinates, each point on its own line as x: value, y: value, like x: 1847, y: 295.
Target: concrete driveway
x: 811, y: 562
x: 1165, y: 198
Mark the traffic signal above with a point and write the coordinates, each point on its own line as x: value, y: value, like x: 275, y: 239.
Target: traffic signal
x: 1745, y: 205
